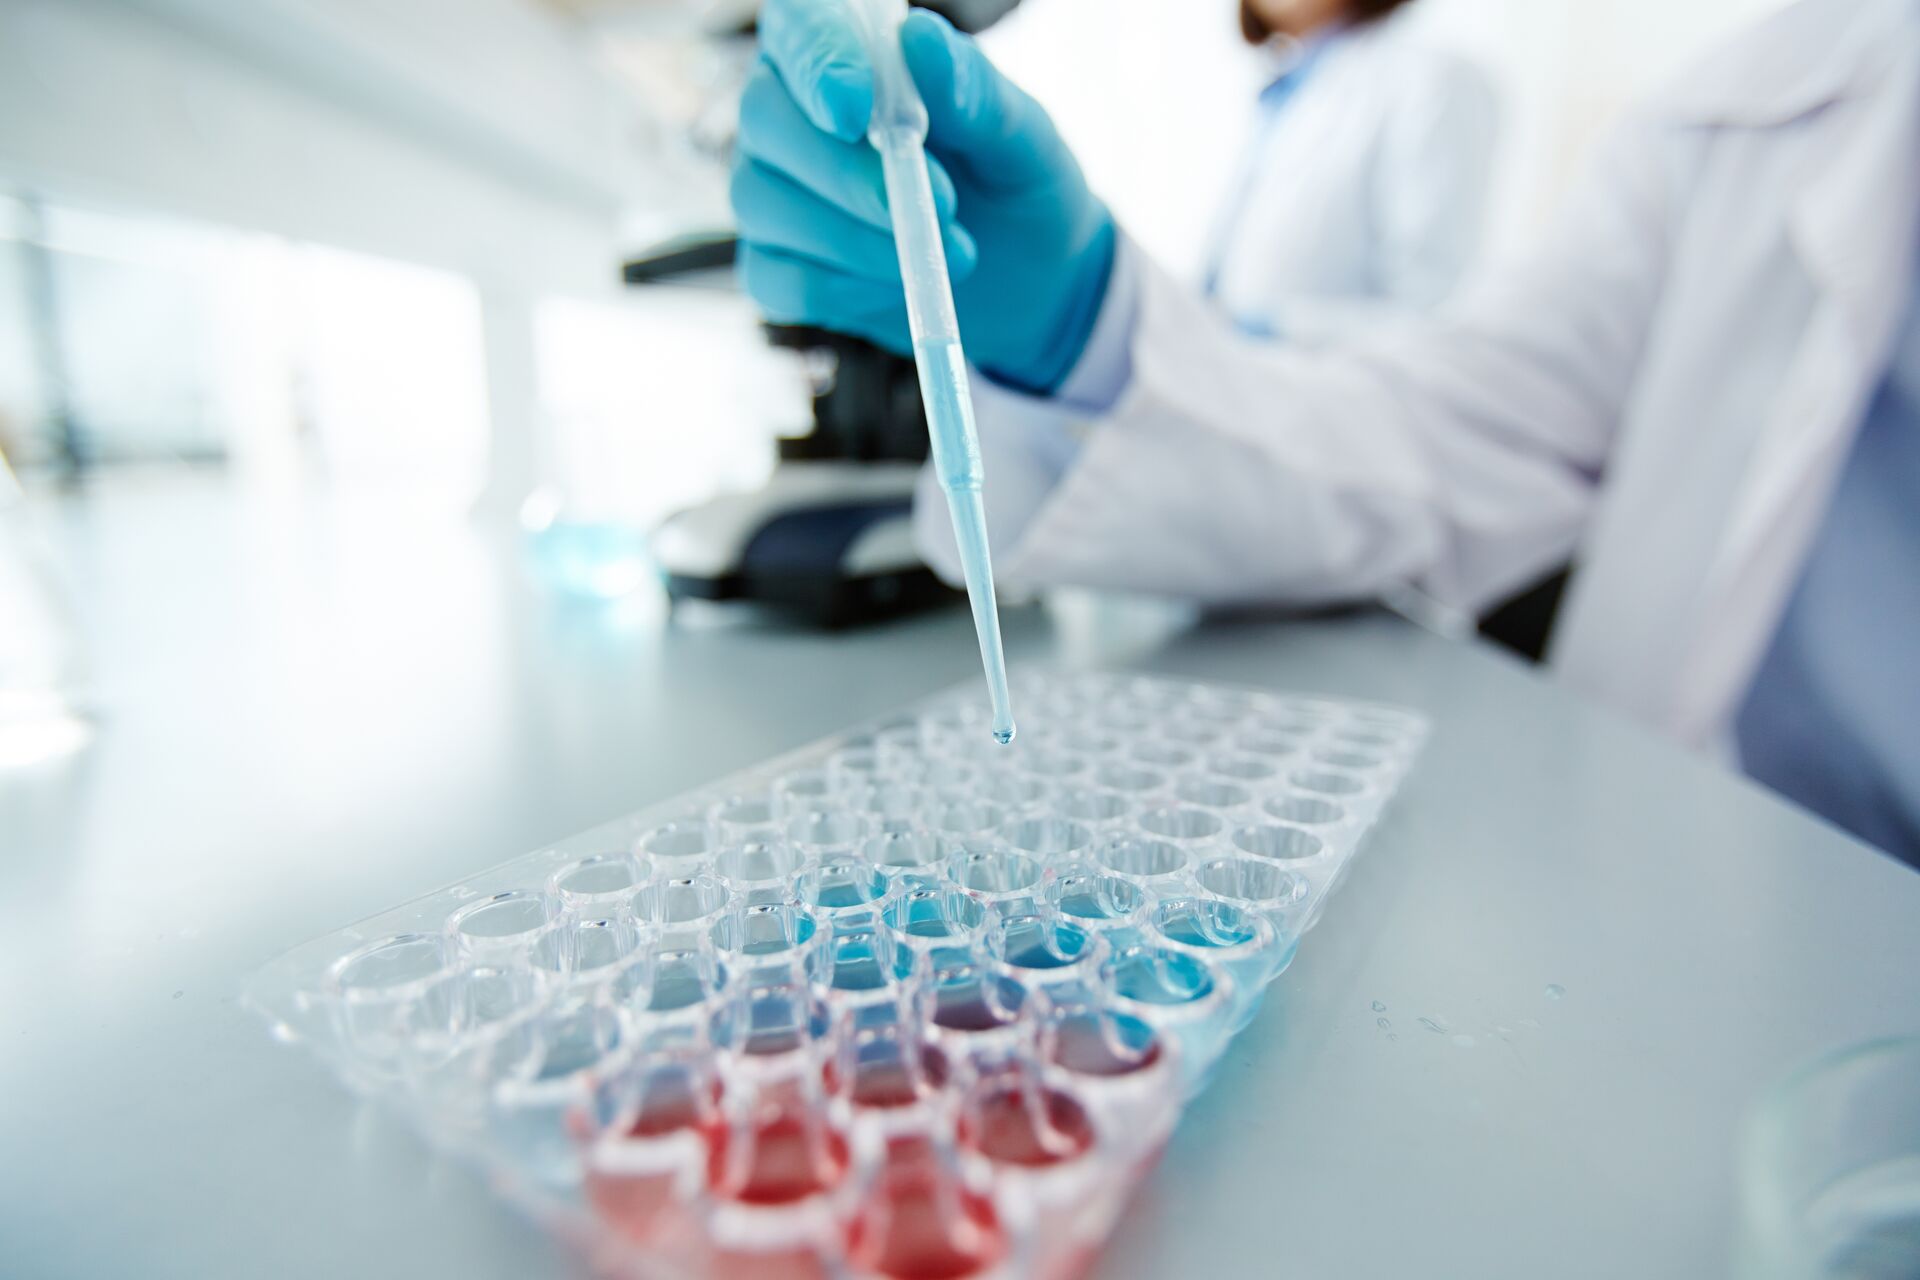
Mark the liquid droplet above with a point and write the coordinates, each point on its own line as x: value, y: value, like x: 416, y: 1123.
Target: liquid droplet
x: 1378, y: 1007
x: 1438, y: 1028
x: 1555, y: 991
x: 1003, y: 736
x: 1383, y: 1023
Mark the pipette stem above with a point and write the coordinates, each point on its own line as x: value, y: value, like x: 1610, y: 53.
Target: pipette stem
x: 899, y: 134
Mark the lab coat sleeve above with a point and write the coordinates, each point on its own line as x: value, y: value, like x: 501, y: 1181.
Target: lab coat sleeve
x: 1461, y: 454
x: 1431, y: 182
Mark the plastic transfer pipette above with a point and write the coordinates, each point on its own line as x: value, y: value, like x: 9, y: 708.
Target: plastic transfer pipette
x: 899, y: 133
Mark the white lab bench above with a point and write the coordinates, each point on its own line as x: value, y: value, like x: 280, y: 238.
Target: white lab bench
x: 311, y: 713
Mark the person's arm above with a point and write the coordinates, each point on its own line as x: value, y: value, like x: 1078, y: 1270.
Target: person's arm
x: 1461, y: 453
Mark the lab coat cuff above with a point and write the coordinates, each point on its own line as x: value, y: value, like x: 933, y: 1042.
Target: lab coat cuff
x: 1027, y: 444
x: 1105, y: 367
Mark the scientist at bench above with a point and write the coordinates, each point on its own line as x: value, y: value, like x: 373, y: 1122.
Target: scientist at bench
x: 1703, y: 385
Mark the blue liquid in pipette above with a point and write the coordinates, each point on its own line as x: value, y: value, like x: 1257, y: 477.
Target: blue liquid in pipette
x: 956, y: 459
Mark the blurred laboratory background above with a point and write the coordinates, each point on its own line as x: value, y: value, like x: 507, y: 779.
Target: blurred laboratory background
x: 394, y: 480
x: 317, y: 316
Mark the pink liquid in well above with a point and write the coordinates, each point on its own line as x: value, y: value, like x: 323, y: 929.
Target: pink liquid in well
x: 1084, y: 1048
x: 1072, y: 1264
x: 789, y: 1156
x: 888, y: 1085
x: 671, y: 1111
x: 919, y: 1223
x: 1008, y: 1127
x: 781, y: 1264
x: 894, y: 1082
x: 640, y: 1205
x: 634, y: 1205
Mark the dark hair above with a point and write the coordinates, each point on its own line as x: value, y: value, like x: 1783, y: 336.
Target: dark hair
x: 1358, y: 11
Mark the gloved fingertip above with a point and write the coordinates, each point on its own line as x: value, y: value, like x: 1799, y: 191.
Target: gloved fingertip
x: 843, y: 102
x: 963, y: 251
x: 925, y: 24
x: 927, y: 42
x: 946, y: 197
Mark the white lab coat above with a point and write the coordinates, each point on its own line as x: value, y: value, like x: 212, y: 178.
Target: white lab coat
x: 1365, y: 197
x: 1667, y: 389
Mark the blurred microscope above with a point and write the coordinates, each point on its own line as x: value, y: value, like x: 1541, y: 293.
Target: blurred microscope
x: 828, y: 539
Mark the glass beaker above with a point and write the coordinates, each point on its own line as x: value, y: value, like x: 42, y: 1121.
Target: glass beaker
x: 1830, y: 1170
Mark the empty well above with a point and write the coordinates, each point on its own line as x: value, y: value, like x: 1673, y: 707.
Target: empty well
x: 1327, y: 782
x: 743, y: 819
x: 1214, y: 793
x: 676, y: 841
x: 1243, y: 768
x: 757, y: 867
x: 997, y: 872
x: 828, y: 829
x: 962, y: 816
x: 1092, y: 807
x: 400, y: 961
x: 1129, y: 779
x: 1163, y: 755
x: 906, y: 853
x: 601, y: 879
x: 1279, y: 843
x: 680, y: 906
x: 1255, y: 881
x: 1310, y: 811
x: 1047, y: 837
x: 1143, y: 858
x: 1183, y: 822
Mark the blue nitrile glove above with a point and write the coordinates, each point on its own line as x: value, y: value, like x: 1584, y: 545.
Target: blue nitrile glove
x: 1029, y: 247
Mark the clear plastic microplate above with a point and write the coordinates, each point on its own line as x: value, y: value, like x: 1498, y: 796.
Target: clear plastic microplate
x: 881, y: 1007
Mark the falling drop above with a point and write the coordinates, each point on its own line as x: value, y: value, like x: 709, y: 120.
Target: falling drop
x: 1438, y: 1028
x: 1383, y: 1023
x: 1555, y: 991
x: 1378, y: 1007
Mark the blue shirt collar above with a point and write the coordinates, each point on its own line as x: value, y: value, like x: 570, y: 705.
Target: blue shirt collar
x: 1291, y: 60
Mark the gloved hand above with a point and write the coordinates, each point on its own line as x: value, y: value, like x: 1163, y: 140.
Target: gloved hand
x: 1029, y: 247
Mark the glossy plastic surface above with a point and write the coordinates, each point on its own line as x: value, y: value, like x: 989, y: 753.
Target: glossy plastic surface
x: 878, y: 1008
